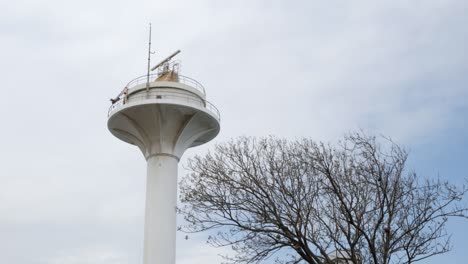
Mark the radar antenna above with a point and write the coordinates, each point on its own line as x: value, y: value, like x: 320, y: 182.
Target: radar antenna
x: 165, y: 60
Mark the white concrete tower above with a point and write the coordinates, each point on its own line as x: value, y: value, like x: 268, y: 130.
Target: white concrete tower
x: 162, y: 115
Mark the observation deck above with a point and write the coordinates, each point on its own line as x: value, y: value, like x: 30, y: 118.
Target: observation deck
x: 168, y: 114
x: 135, y: 87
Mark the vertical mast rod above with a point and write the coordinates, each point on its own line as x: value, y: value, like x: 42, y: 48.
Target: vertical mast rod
x: 149, y: 59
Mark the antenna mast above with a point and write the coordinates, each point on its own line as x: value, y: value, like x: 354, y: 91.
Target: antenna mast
x: 149, y: 59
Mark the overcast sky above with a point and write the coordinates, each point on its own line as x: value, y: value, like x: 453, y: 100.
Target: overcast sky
x: 71, y: 193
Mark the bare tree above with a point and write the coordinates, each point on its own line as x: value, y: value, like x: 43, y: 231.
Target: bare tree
x: 297, y: 201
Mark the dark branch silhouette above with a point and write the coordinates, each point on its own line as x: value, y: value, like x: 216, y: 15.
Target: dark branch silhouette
x: 307, y: 202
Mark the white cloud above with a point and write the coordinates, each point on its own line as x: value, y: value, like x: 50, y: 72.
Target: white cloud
x: 304, y: 69
x: 90, y: 255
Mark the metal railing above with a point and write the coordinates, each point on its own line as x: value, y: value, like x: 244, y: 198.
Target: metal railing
x: 191, y: 100
x: 181, y: 79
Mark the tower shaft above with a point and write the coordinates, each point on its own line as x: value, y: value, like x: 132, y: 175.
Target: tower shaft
x: 161, y: 202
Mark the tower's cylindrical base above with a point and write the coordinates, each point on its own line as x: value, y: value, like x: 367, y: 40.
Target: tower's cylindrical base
x: 161, y: 202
